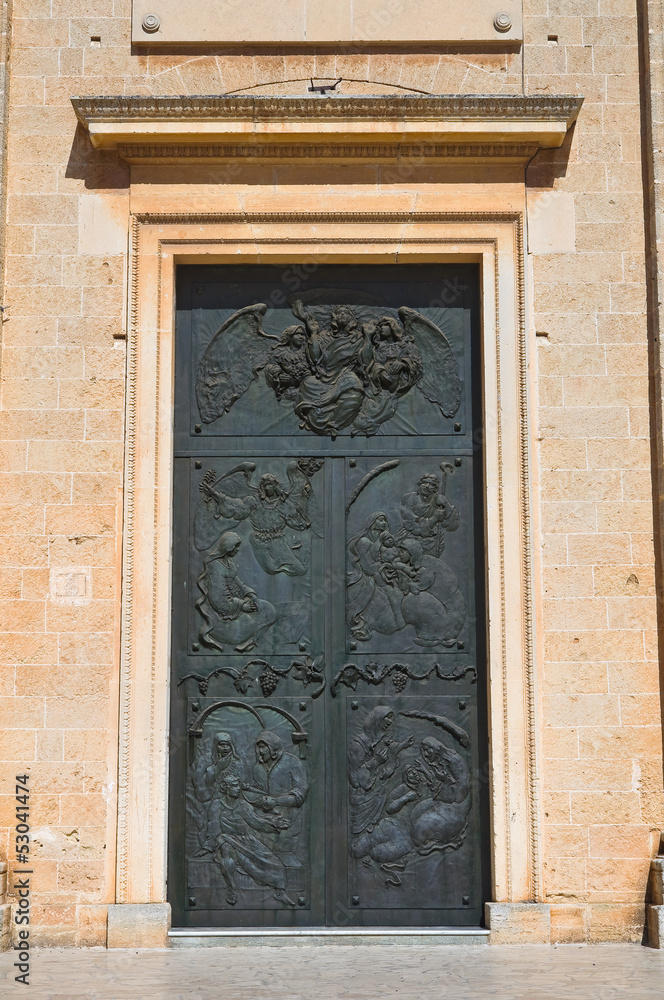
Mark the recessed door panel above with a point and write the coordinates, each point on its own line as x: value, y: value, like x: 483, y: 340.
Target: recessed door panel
x: 328, y: 725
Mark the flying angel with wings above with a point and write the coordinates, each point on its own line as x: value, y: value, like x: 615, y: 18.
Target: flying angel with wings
x: 270, y: 508
x: 336, y: 371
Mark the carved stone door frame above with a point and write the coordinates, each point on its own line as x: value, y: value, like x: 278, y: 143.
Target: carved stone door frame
x: 158, y: 244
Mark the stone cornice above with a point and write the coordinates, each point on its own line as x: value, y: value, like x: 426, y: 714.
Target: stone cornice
x: 393, y: 107
x: 173, y: 128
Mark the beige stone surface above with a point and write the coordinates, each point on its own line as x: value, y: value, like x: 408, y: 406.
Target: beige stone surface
x: 306, y: 21
x: 138, y: 925
x: 519, y: 923
x: 393, y: 973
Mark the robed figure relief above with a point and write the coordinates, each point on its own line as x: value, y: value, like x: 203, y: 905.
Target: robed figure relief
x: 397, y: 574
x: 280, y: 518
x: 247, y: 816
x: 233, y: 612
x: 336, y: 369
x: 408, y: 798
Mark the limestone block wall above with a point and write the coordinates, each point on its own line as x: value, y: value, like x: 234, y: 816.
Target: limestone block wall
x: 61, y: 439
x: 601, y: 713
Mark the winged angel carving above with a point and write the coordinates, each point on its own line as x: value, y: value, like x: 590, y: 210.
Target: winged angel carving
x: 270, y: 508
x: 336, y: 369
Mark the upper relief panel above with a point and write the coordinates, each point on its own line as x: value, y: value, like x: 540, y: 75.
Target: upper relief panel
x: 208, y: 22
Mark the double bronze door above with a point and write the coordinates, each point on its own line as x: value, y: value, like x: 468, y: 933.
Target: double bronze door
x: 327, y: 748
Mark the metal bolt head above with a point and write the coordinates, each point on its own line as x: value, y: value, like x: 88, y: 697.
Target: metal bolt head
x: 192, y: 901
x: 460, y: 645
x: 352, y: 463
x: 355, y: 900
x: 466, y: 900
x: 195, y: 707
x: 462, y: 705
x: 150, y: 23
x: 198, y: 465
x: 502, y: 22
x: 195, y: 647
x: 457, y: 462
x: 353, y: 645
x: 302, y: 647
x: 198, y: 429
x: 354, y: 705
x: 457, y: 427
x: 301, y: 901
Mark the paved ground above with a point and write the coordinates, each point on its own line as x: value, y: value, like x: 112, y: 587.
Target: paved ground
x: 607, y: 972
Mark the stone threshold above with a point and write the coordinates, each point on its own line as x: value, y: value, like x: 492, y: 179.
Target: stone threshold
x: 204, y: 937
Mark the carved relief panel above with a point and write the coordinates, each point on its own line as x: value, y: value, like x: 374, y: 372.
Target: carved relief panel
x: 328, y: 666
x: 248, y: 805
x: 412, y: 822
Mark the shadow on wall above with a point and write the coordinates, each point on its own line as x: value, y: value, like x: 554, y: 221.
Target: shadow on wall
x: 548, y: 164
x: 99, y: 169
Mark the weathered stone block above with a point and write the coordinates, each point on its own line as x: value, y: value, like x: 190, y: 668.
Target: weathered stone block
x: 656, y: 883
x: 568, y: 924
x: 519, y: 923
x: 138, y: 925
x: 655, y: 926
x: 5, y: 926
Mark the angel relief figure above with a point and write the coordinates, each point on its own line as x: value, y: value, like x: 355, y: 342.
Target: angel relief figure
x: 337, y: 369
x: 277, y: 514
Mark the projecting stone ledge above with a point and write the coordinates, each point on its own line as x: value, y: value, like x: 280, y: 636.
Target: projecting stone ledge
x: 171, y: 129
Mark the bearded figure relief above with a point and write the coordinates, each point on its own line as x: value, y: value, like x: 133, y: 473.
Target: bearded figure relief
x: 397, y: 576
x: 407, y: 800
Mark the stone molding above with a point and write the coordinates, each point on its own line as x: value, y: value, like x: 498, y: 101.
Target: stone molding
x: 444, y: 106
x: 143, y: 153
x: 148, y: 128
x: 159, y: 242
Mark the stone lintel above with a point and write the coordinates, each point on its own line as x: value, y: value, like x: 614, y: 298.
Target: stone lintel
x: 138, y: 925
x: 148, y: 129
x: 519, y: 923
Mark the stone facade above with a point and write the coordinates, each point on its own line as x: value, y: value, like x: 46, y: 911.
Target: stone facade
x: 594, y: 433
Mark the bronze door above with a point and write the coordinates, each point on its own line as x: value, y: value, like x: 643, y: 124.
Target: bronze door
x: 328, y: 724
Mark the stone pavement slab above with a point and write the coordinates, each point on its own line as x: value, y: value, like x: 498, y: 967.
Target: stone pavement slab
x: 603, y: 972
